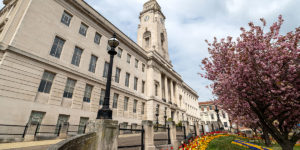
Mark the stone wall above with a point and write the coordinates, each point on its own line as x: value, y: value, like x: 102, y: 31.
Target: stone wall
x: 81, y: 142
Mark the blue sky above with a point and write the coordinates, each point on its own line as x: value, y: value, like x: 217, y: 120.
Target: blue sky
x: 190, y: 22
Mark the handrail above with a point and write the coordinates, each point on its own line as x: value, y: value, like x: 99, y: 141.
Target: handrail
x: 10, y: 125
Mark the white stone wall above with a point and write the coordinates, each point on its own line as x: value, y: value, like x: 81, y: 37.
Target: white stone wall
x: 206, y: 115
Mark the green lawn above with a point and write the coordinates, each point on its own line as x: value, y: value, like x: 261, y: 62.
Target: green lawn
x: 224, y: 143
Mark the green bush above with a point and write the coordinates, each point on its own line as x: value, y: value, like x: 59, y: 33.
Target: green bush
x: 179, y: 124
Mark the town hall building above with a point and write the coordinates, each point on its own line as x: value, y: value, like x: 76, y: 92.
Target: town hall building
x: 54, y: 65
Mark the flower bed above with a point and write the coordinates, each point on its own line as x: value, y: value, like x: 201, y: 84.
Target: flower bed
x: 200, y: 143
x: 249, y: 145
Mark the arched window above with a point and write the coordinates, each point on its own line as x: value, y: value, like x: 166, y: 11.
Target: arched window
x: 147, y: 39
x: 162, y: 39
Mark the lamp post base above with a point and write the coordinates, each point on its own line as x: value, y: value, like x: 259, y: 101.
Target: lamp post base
x: 104, y: 114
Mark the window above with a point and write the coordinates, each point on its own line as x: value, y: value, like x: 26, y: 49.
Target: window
x: 105, y: 71
x: 210, y: 107
x: 115, y: 101
x: 147, y: 37
x: 83, y: 29
x: 212, y: 116
x: 36, y: 116
x: 57, y: 47
x: 76, y: 56
x: 136, y: 63
x: 97, y: 38
x: 134, y: 106
x: 135, y: 83
x: 102, y: 95
x: 126, y: 103
x: 225, y: 124
x: 224, y: 116
x: 93, y: 63
x: 156, y: 89
x: 87, y: 93
x: 117, y: 77
x: 157, y: 108
x: 143, y: 67
x: 143, y: 86
x: 143, y: 108
x: 46, y: 82
x: 66, y: 18
x: 68, y: 93
x: 60, y: 121
x: 147, y: 40
x: 165, y: 110
x: 128, y: 58
x: 127, y: 79
x: 120, y: 51
x: 82, y: 124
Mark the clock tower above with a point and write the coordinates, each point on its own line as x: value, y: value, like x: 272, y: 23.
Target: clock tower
x: 152, y: 34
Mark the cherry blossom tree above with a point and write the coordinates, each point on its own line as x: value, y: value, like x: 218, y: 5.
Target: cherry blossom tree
x: 260, y: 72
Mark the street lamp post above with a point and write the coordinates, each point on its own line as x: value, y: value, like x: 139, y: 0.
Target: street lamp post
x: 212, y: 127
x: 157, y: 109
x: 165, y: 118
x: 195, y: 129
x: 218, y: 117
x: 105, y: 112
x: 156, y: 121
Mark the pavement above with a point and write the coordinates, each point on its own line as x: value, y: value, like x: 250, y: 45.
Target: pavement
x: 33, y: 145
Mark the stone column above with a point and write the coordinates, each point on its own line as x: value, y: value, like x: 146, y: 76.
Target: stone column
x: 187, y: 127
x: 166, y: 90
x: 203, y: 128
x: 64, y: 130
x: 107, y: 133
x: 150, y: 84
x: 171, y: 91
x: 149, y: 135
x: 197, y: 128
x: 174, y: 140
x: 175, y: 93
x: 30, y: 132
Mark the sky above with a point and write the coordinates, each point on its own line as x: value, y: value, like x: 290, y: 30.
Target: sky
x: 190, y: 22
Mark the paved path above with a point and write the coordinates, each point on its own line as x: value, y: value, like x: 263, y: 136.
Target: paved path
x: 34, y: 145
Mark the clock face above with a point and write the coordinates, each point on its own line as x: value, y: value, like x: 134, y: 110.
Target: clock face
x: 146, y: 18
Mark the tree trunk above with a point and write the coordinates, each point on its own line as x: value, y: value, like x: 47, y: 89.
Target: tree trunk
x: 266, y: 137
x: 287, y: 145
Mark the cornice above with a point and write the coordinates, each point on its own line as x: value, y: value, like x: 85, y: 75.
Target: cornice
x: 164, y: 65
x: 155, y: 8
x: 190, y: 89
x: 8, y: 4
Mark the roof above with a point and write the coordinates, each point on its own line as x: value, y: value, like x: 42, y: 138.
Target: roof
x: 205, y: 103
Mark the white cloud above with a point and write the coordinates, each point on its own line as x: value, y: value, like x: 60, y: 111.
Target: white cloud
x: 190, y: 22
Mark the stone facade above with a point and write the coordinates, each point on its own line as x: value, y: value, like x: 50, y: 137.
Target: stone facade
x: 33, y: 79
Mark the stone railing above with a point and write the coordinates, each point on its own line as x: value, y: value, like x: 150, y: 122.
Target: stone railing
x: 80, y: 142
